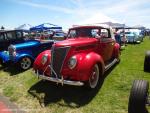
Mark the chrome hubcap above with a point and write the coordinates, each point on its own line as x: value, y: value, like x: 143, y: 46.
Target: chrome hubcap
x: 25, y: 63
x: 93, y: 80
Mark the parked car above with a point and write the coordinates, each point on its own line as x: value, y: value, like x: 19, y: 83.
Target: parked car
x: 24, y: 54
x: 132, y: 37
x: 139, y: 97
x: 51, y: 35
x: 59, y: 35
x: 11, y: 37
x: 81, y: 59
x: 139, y: 33
x: 147, y: 61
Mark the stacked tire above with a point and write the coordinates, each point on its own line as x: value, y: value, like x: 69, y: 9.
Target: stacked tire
x: 138, y: 97
x: 147, y: 62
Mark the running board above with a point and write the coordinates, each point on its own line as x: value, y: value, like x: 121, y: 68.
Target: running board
x: 110, y: 64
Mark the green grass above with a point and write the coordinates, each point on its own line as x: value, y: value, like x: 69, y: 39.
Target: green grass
x: 31, y: 94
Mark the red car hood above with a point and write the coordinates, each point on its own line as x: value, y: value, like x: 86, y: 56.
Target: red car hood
x: 76, y: 42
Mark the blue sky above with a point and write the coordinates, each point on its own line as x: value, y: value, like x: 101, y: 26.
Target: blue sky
x: 71, y: 12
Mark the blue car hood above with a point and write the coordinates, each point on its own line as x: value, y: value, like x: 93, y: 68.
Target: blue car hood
x: 28, y: 43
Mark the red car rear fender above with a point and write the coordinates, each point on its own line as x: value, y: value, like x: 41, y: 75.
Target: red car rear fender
x: 116, y: 52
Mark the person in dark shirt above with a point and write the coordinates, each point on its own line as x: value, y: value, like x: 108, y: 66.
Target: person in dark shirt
x: 117, y: 37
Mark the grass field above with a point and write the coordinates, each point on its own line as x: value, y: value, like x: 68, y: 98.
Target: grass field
x: 30, y: 94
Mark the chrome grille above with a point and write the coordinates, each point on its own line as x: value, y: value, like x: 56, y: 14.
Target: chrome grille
x: 58, y: 57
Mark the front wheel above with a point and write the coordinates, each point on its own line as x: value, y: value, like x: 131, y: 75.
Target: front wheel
x: 138, y: 97
x: 25, y: 63
x: 94, y: 77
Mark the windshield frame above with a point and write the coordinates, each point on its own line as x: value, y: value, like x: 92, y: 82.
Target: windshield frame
x: 97, y: 32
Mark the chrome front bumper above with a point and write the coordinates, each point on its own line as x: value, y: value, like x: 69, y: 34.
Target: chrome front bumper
x: 57, y: 80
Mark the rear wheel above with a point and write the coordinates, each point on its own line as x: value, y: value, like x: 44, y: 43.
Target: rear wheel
x: 25, y: 63
x: 94, y: 77
x: 138, y: 97
x: 147, y: 61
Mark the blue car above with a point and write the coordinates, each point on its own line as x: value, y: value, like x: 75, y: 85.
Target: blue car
x: 132, y: 37
x: 11, y: 37
x: 23, y: 54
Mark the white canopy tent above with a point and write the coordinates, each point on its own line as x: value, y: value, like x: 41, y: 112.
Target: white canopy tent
x: 98, y: 18
x: 24, y: 27
x: 101, y: 19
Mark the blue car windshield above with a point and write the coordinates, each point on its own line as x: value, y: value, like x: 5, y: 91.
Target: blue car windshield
x: 129, y: 34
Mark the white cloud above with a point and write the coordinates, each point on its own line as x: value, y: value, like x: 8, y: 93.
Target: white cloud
x: 48, y: 7
x: 79, y: 15
x: 84, y: 11
x: 130, y: 12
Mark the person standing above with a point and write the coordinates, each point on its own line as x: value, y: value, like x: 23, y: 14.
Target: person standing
x: 117, y: 37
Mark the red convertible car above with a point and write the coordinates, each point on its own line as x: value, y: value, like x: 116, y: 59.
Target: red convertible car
x: 81, y: 59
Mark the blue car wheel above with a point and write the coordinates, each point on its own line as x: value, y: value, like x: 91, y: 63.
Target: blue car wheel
x: 25, y: 63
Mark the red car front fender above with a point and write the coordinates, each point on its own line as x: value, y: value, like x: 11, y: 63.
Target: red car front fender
x: 38, y: 64
x: 86, y: 63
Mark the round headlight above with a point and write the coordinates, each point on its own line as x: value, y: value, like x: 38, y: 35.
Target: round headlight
x: 44, y: 59
x: 12, y: 50
x: 72, y: 62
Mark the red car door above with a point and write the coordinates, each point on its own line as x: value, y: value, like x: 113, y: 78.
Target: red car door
x: 106, y: 45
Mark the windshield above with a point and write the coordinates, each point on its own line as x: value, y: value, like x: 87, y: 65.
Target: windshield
x: 129, y: 34
x: 83, y: 32
x: 59, y: 34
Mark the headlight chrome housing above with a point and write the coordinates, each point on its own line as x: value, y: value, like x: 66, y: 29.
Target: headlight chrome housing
x: 44, y: 59
x: 72, y: 62
x: 12, y: 50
